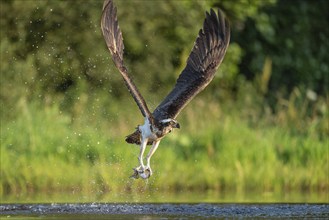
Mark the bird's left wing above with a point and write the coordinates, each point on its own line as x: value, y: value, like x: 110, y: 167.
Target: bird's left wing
x: 113, y: 37
x: 207, y: 54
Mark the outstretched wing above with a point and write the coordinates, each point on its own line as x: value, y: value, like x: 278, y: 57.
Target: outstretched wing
x: 207, y: 54
x: 113, y: 37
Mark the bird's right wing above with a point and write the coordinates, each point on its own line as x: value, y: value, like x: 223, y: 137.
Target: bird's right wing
x: 207, y: 54
x: 114, y: 41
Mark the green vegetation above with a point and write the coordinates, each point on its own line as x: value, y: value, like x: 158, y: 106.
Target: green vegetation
x: 262, y: 124
x: 223, y: 149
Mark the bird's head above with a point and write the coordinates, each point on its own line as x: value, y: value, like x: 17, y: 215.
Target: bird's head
x: 167, y: 125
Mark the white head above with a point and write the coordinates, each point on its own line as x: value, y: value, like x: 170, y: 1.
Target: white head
x: 168, y: 125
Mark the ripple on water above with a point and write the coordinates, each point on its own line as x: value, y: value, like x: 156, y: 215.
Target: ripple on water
x: 166, y: 211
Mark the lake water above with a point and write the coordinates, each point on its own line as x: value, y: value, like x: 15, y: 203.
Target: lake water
x: 162, y: 211
x: 158, y: 205
x: 154, y: 196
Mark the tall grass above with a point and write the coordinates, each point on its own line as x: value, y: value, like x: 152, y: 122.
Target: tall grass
x: 229, y: 146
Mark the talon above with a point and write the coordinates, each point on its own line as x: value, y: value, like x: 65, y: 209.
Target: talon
x: 135, y: 174
x: 141, y: 171
x: 149, y: 170
x: 146, y: 173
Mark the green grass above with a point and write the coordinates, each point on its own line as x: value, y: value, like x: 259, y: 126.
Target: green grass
x: 46, y: 150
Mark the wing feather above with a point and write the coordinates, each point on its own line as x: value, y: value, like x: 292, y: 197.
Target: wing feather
x: 114, y: 41
x: 207, y: 53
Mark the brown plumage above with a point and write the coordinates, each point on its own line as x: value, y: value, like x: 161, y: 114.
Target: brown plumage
x: 114, y: 41
x: 207, y: 54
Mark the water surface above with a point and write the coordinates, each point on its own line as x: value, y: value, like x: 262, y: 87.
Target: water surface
x: 145, y: 204
x: 163, y: 211
x: 154, y: 196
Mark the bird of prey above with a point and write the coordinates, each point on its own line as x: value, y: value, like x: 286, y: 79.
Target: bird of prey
x: 207, y: 54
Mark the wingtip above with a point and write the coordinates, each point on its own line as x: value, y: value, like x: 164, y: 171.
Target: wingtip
x: 106, y: 2
x: 213, y: 13
x: 223, y: 23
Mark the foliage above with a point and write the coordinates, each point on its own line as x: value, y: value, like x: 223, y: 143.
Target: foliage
x: 64, y: 109
x: 294, y: 37
x: 226, y: 150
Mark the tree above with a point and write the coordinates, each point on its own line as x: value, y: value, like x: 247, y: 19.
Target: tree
x: 294, y: 35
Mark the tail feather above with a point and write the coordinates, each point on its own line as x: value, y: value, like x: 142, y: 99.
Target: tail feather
x: 135, y: 138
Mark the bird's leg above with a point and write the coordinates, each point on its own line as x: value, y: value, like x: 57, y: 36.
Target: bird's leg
x: 141, y: 152
x: 149, y: 155
x: 140, y: 169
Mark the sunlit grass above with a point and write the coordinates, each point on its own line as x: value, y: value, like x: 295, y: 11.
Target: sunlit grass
x: 44, y: 150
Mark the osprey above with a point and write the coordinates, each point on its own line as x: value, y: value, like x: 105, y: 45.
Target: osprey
x: 207, y: 54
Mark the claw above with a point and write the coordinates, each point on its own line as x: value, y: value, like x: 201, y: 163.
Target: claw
x: 135, y: 174
x: 149, y: 170
x: 145, y: 173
